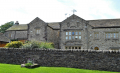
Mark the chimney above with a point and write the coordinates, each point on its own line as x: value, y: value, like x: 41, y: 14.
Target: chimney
x: 17, y: 23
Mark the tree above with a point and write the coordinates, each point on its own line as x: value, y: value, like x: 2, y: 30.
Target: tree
x: 4, y: 27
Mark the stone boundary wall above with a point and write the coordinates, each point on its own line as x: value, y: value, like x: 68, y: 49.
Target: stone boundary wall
x: 83, y: 59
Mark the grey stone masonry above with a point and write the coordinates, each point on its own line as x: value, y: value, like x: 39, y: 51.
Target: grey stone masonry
x: 37, y: 30
x: 74, y: 24
x: 83, y: 59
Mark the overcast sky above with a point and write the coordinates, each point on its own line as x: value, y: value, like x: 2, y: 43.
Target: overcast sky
x: 25, y: 11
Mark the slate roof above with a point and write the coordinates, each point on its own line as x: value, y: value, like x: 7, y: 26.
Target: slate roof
x: 21, y: 35
x: 54, y: 25
x: 3, y: 38
x: 18, y: 27
x: 105, y: 23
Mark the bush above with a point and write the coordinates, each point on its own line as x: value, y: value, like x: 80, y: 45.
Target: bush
x: 30, y: 45
x: 28, y: 64
x: 35, y: 44
x: 46, y: 45
x: 14, y: 44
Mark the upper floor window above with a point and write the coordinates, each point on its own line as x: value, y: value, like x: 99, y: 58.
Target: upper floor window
x: 79, y: 33
x: 37, y: 31
x: 74, y: 35
x: 66, y: 33
x: 96, y: 35
x: 110, y: 35
x: 69, y: 33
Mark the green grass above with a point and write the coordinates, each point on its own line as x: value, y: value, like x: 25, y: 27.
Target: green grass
x: 9, y: 68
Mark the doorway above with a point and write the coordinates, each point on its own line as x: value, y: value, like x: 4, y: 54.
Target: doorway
x: 96, y: 48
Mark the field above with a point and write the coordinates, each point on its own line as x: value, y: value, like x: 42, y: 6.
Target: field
x: 9, y: 68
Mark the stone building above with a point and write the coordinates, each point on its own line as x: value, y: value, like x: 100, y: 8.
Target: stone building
x: 72, y: 33
x: 3, y: 40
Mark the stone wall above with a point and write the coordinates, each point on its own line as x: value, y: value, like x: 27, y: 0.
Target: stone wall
x: 83, y: 59
x: 53, y: 36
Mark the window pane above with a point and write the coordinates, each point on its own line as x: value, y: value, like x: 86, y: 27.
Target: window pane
x: 79, y: 37
x: 108, y: 35
x: 97, y: 35
x: 73, y: 37
x: 76, y: 33
x: 73, y: 33
x: 69, y: 37
x: 79, y: 33
x: 114, y: 35
x: 37, y: 31
x: 66, y: 33
x: 69, y: 33
x: 76, y: 37
x: 66, y: 37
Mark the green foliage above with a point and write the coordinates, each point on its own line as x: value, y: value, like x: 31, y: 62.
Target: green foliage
x: 35, y: 44
x: 4, y: 27
x: 10, y: 68
x: 14, y: 44
x: 28, y: 64
x: 29, y: 61
x: 46, y: 45
x: 30, y: 45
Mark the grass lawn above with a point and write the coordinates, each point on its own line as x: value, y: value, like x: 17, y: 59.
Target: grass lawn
x: 9, y: 68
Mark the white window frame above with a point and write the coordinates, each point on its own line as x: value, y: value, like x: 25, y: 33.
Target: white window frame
x: 37, y: 31
x: 112, y: 35
x: 96, y: 35
x: 73, y: 35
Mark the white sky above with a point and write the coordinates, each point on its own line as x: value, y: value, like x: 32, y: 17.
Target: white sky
x: 25, y: 11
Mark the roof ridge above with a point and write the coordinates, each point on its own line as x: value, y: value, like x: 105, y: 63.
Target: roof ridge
x: 53, y: 22
x: 103, y: 19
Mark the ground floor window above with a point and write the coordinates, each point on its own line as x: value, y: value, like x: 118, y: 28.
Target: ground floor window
x: 72, y: 47
x: 114, y: 49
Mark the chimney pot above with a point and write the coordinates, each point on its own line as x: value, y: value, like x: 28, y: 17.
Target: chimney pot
x: 17, y: 23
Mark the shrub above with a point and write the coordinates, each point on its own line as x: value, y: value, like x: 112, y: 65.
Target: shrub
x: 30, y: 45
x: 46, y: 45
x: 28, y: 64
x: 35, y: 44
x: 14, y: 44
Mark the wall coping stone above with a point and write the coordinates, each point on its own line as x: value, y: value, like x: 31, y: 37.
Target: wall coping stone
x: 72, y: 50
